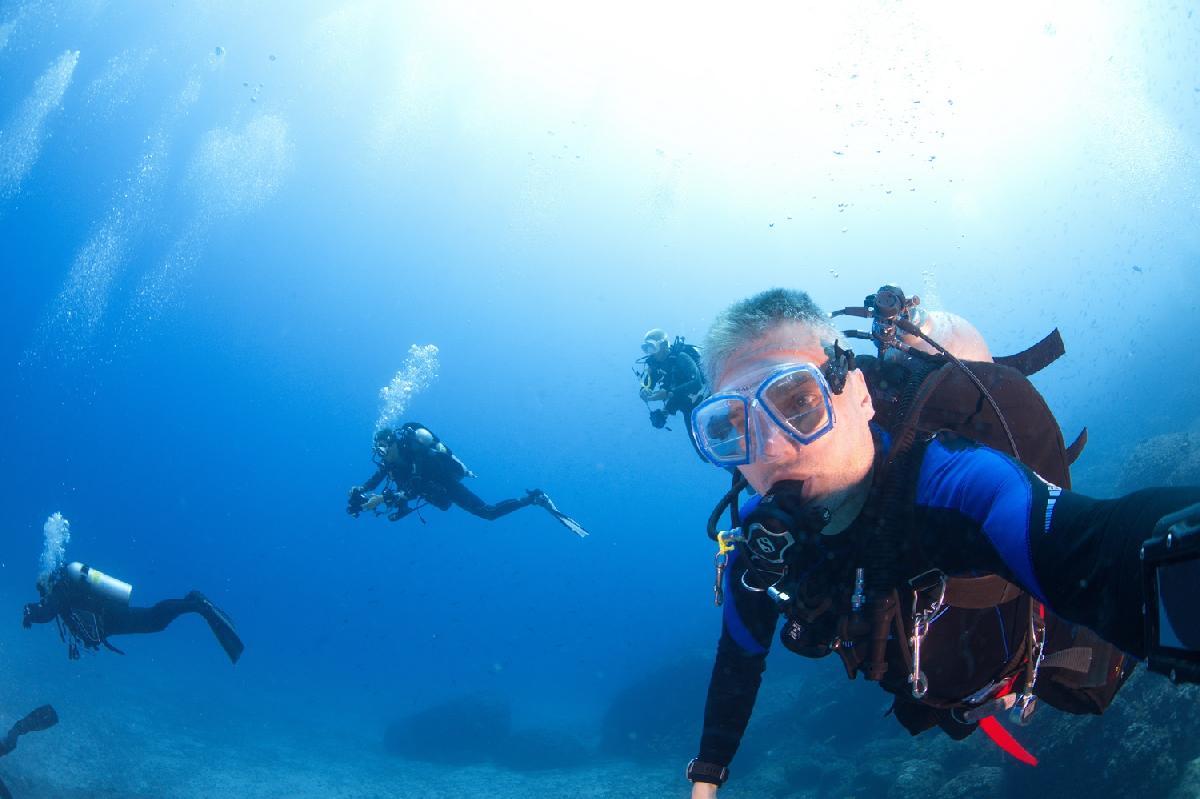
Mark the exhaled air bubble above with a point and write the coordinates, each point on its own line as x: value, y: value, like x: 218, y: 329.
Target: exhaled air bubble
x: 57, y: 532
x: 419, y: 371
x: 22, y: 134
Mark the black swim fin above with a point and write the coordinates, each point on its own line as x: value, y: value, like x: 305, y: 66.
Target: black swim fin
x: 566, y: 521
x: 221, y: 626
x: 43, y: 718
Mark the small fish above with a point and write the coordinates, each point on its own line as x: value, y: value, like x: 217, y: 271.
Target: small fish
x: 1137, y: 269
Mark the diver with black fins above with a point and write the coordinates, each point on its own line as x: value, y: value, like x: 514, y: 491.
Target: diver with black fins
x: 90, y: 606
x: 42, y: 718
x: 417, y: 469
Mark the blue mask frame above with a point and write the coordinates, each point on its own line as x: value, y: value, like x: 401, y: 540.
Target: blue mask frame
x: 745, y: 451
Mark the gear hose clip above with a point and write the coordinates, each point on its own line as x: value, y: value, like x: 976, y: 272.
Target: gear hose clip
x: 727, y: 541
x: 933, y: 584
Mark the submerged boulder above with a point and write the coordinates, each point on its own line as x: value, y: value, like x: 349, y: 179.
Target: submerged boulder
x: 468, y: 729
x: 1172, y: 459
x: 540, y: 749
x: 656, y: 717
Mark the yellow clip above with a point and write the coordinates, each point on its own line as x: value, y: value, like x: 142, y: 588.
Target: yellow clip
x: 725, y: 541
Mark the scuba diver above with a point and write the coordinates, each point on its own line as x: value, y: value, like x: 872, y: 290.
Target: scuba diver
x: 90, y: 606
x: 42, y: 718
x: 914, y: 517
x: 414, y: 466
x: 672, y: 376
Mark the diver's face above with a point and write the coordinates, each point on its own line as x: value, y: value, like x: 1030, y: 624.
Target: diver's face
x: 834, y: 466
x: 659, y: 352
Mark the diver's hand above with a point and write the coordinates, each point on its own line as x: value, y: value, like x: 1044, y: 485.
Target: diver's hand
x: 372, y: 501
x: 653, y: 396
x: 354, y: 501
x: 703, y: 790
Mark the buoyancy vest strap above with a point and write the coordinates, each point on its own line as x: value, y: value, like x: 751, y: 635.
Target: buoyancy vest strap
x: 1001, y: 704
x: 1001, y: 737
x: 918, y: 391
x: 882, y: 611
x: 978, y: 593
x: 850, y: 655
x: 1076, y: 448
x: 1036, y: 358
x: 1077, y: 658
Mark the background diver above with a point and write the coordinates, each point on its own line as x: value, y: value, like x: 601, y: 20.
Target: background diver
x: 90, y: 606
x: 672, y: 376
x: 414, y: 466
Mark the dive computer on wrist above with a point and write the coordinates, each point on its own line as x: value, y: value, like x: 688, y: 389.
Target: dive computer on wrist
x: 699, y: 771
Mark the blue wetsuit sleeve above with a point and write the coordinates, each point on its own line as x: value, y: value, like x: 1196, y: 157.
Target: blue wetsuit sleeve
x: 967, y: 488
x: 984, y: 511
x: 747, y: 628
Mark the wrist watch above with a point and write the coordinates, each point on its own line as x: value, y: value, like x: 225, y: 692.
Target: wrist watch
x: 699, y: 771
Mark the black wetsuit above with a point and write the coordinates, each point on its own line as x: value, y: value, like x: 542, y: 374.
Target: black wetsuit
x: 975, y: 511
x: 89, y: 620
x: 680, y: 377
x: 435, y: 475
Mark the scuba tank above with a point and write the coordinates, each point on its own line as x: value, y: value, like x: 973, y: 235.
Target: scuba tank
x: 99, y: 584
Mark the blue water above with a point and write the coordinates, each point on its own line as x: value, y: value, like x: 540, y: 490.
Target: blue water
x: 222, y: 227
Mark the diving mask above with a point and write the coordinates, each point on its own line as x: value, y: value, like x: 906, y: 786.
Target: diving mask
x: 794, y: 398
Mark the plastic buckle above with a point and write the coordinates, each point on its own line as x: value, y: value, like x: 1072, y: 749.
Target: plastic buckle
x: 1022, y: 712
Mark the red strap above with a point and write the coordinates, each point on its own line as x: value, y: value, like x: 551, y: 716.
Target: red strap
x: 1000, y: 736
x: 1005, y: 741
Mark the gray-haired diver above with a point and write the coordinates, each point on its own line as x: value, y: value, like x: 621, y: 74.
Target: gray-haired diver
x: 415, y: 466
x: 42, y: 718
x: 90, y: 606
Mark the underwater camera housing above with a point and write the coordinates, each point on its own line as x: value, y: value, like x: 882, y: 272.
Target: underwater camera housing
x: 1171, y: 576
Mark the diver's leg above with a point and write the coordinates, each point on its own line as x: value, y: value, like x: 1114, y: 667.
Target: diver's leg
x: 130, y: 620
x: 125, y: 621
x: 692, y: 438
x: 685, y: 411
x: 461, y: 496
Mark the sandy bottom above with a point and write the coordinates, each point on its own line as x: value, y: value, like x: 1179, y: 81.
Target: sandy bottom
x: 142, y: 759
x: 128, y: 728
